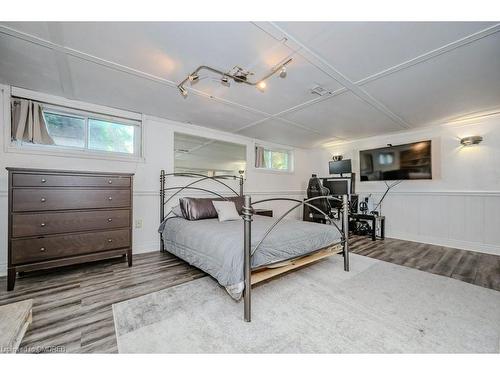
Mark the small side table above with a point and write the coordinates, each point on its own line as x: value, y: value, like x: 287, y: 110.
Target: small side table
x: 263, y: 212
x: 374, y: 219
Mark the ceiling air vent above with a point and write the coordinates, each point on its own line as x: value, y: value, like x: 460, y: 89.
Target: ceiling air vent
x: 318, y: 90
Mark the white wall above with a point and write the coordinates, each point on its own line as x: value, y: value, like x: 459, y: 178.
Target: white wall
x: 158, y: 144
x: 460, y: 207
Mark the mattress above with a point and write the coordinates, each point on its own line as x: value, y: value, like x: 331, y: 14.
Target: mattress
x: 217, y: 247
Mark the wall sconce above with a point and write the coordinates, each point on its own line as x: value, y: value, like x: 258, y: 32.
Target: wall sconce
x: 337, y: 157
x: 472, y: 140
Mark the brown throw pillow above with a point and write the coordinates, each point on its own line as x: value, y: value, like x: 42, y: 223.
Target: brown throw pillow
x: 202, y: 208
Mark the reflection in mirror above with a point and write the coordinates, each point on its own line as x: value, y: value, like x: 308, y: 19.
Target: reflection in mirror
x: 207, y: 156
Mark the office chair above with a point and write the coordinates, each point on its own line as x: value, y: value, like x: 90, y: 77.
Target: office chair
x: 316, y: 189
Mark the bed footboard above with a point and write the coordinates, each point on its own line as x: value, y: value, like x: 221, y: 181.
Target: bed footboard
x: 248, y: 252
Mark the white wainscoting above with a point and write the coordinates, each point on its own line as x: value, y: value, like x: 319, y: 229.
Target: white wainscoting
x: 463, y: 219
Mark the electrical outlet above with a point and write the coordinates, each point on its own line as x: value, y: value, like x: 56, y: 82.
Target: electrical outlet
x: 138, y: 224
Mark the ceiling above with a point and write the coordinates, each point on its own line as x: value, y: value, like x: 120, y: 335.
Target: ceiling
x: 380, y: 77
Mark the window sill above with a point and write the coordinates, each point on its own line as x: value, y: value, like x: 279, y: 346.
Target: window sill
x: 272, y: 171
x: 78, y: 154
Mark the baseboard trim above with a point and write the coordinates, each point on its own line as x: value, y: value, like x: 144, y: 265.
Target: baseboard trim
x: 458, y: 244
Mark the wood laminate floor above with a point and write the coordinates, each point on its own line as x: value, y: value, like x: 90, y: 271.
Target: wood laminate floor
x: 469, y: 266
x: 72, y: 306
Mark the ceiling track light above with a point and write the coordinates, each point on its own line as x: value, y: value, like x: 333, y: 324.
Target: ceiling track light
x: 238, y: 75
x: 194, y: 78
x: 225, y: 81
x: 183, y: 91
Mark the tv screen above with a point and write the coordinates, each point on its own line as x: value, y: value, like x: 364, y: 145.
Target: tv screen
x: 412, y: 161
x: 341, y: 166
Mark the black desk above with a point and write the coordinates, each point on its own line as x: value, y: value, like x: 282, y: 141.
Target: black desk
x: 373, y: 219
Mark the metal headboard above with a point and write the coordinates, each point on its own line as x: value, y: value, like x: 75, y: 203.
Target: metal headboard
x: 190, y: 186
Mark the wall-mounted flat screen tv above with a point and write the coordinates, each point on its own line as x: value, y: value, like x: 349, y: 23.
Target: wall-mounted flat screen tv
x: 411, y: 161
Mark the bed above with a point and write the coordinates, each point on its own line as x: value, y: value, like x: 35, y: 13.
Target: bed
x: 241, y: 253
x: 217, y: 247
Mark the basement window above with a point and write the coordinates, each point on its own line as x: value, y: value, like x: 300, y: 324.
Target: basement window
x: 272, y: 159
x: 70, y: 129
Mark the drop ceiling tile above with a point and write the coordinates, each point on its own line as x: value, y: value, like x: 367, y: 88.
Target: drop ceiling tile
x: 456, y: 83
x: 361, y: 49
x: 28, y: 65
x: 344, y: 116
x: 282, y: 132
x: 98, y: 84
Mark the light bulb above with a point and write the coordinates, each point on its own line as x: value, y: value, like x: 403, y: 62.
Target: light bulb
x: 261, y: 86
x: 183, y: 92
x: 194, y: 78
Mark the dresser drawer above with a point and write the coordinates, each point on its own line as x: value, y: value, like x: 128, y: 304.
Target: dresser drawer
x: 43, y: 180
x: 53, y: 247
x: 65, y: 199
x: 35, y: 224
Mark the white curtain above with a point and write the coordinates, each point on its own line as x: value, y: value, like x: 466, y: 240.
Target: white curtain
x: 260, y: 161
x: 28, y: 123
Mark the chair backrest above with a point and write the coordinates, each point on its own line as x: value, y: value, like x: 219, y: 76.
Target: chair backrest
x: 316, y: 189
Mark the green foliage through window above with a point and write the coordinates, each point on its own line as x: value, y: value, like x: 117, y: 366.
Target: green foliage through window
x: 278, y: 160
x: 85, y: 132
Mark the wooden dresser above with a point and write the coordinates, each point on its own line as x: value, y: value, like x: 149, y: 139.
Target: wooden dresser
x: 58, y: 218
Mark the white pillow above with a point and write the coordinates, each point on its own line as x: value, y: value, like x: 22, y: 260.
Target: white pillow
x: 226, y: 211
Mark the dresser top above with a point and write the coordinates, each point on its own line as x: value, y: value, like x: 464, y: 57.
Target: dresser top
x: 57, y: 171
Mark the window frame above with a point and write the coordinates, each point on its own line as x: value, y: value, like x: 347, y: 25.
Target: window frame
x: 72, y: 108
x: 291, y: 159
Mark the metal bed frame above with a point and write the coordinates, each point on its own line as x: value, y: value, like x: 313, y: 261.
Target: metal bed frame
x: 248, y: 212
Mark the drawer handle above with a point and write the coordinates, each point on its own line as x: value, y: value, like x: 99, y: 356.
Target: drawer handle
x: 43, y: 199
x: 42, y: 249
x: 42, y: 225
x: 110, y: 198
x: 110, y: 220
x: 110, y: 181
x: 44, y: 180
x: 110, y: 240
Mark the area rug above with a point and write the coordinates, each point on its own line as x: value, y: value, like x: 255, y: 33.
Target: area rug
x: 377, y: 307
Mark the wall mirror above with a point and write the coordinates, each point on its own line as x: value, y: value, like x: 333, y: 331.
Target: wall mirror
x: 209, y: 157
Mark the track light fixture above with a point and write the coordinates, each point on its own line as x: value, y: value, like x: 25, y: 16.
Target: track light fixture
x: 225, y: 81
x: 237, y: 74
x: 283, y: 72
x: 194, y: 78
x: 183, y: 91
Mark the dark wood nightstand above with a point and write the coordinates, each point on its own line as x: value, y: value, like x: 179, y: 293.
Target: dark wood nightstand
x: 263, y: 212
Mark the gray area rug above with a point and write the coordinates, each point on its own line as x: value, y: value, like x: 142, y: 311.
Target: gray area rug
x: 378, y: 307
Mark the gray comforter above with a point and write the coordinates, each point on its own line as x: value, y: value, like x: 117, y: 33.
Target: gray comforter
x: 217, y: 248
